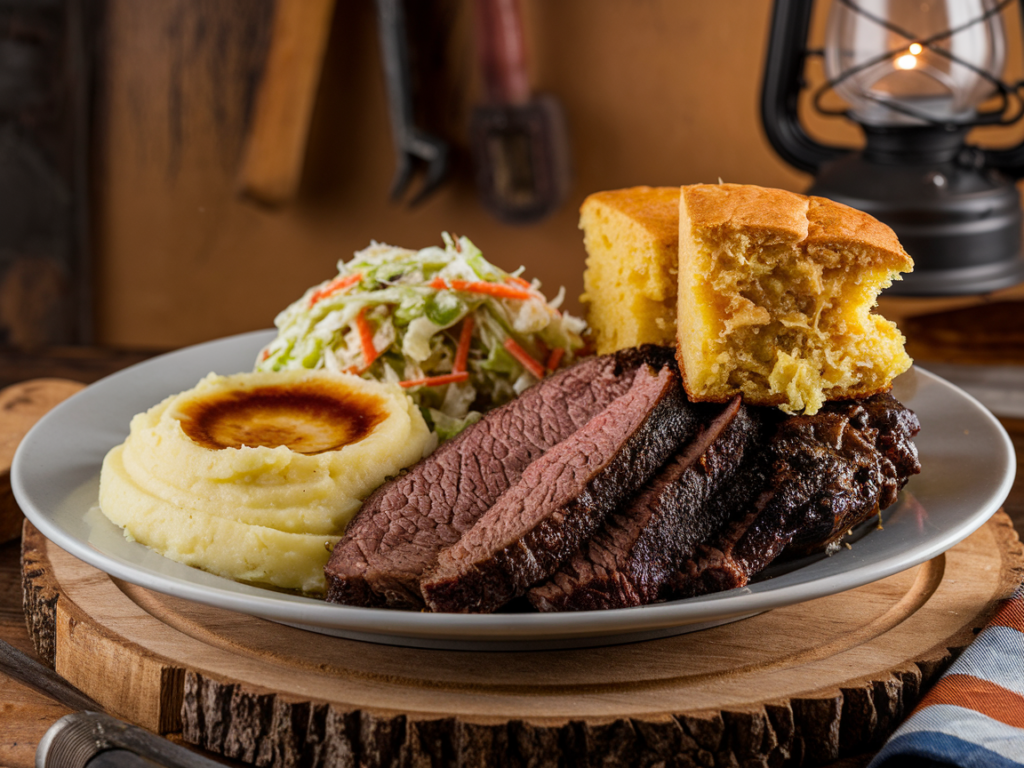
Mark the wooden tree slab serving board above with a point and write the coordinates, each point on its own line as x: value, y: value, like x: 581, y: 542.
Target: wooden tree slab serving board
x: 801, y: 685
x: 21, y: 406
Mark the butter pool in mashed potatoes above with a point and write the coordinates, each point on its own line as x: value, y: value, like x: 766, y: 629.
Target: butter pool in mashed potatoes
x: 255, y: 476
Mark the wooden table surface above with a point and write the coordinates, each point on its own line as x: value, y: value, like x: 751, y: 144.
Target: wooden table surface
x: 981, y: 332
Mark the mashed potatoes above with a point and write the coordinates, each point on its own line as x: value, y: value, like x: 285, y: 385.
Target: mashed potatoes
x: 255, y: 476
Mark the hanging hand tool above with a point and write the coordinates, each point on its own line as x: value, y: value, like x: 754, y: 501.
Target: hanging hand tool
x: 275, y: 146
x: 412, y: 145
x: 519, y: 139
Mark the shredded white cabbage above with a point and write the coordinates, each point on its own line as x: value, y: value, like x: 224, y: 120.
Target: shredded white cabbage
x: 412, y: 307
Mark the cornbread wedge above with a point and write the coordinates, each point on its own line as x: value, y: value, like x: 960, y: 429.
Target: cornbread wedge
x: 775, y: 298
x: 630, y: 284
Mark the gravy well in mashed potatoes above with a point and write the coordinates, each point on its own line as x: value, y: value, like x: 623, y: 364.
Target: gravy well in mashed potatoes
x: 255, y: 476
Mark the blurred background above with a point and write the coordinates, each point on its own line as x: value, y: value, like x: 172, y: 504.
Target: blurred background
x: 124, y: 127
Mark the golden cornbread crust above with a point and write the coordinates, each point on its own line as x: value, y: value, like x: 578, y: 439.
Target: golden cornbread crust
x: 630, y: 283
x: 838, y: 225
x: 765, y: 214
x: 775, y: 293
x: 656, y: 209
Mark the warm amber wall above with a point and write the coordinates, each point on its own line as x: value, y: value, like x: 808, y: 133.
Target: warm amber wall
x: 656, y: 92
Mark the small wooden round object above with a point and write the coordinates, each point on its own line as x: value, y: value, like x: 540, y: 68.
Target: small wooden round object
x: 21, y: 406
x: 801, y: 685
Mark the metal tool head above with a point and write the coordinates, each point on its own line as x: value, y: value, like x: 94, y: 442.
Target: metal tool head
x: 413, y: 146
x: 522, y: 158
x: 76, y: 739
x: 418, y: 148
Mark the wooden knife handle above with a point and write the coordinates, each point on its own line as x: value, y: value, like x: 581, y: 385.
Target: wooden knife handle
x: 502, y: 52
x: 275, y: 146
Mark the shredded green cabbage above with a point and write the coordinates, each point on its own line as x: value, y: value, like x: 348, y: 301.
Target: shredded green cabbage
x: 407, y: 300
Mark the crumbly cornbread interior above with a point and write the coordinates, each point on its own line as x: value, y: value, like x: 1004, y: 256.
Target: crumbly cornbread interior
x: 775, y: 298
x: 632, y: 239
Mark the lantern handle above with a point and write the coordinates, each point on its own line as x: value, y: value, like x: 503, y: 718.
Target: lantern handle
x: 1010, y: 160
x: 780, y: 92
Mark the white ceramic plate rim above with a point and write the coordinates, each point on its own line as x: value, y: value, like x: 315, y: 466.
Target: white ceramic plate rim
x: 969, y: 478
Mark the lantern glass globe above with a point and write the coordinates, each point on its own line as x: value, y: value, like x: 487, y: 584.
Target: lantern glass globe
x: 892, y: 64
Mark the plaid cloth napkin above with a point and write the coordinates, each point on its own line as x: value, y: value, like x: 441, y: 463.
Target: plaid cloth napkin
x: 974, y: 715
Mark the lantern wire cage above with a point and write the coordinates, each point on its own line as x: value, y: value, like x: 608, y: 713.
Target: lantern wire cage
x: 1011, y: 104
x: 955, y: 206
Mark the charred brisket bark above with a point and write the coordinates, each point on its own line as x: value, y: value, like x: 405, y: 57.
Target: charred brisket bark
x: 561, y: 498
x: 820, y: 476
x: 631, y: 559
x: 877, y: 441
x: 402, y: 526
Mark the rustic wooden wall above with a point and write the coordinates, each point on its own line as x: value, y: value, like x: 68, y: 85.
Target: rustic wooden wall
x: 656, y: 92
x: 44, y: 259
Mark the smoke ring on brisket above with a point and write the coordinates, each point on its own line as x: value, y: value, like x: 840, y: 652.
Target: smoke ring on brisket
x: 402, y: 527
x: 561, y: 498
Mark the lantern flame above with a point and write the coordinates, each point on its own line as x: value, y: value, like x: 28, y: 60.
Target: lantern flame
x: 906, y: 61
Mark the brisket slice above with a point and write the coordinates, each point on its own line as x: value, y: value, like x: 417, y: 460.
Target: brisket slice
x: 877, y: 440
x: 631, y: 559
x: 405, y: 523
x: 820, y: 476
x: 562, y: 497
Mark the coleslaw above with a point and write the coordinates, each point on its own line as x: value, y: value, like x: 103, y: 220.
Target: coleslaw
x: 459, y: 334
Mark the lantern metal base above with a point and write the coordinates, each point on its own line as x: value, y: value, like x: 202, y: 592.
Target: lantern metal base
x: 961, y: 224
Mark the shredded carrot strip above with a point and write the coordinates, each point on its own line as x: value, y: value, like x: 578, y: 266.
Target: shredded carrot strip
x: 491, y: 289
x: 465, y: 338
x: 520, y: 282
x: 265, y: 355
x: 498, y: 290
x: 554, y: 358
x: 436, y: 381
x: 366, y: 338
x: 338, y: 284
x: 524, y: 357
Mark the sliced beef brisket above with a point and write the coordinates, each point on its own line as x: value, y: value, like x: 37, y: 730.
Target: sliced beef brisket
x: 402, y: 526
x: 876, y: 440
x: 819, y: 476
x: 562, y: 497
x: 631, y: 559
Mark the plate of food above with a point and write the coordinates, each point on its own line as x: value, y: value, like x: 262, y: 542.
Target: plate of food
x: 520, y: 529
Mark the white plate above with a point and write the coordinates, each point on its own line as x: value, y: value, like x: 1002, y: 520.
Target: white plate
x: 968, y: 461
